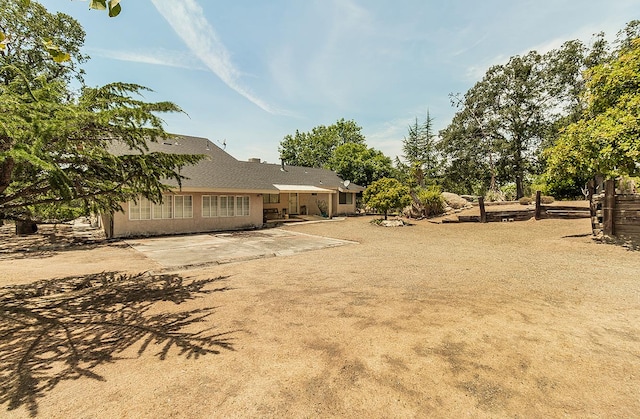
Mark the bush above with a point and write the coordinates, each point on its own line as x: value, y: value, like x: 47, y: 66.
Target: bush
x: 509, y: 191
x: 386, y: 194
x: 546, y: 199
x: 431, y: 200
x: 525, y: 200
x: 494, y: 196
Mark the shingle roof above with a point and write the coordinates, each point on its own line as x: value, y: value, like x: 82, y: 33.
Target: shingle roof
x: 221, y: 171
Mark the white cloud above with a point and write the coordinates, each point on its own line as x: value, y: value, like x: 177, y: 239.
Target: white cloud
x: 187, y: 19
x: 156, y: 57
x: 388, y: 137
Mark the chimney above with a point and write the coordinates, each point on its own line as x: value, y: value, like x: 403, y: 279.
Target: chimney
x: 254, y: 160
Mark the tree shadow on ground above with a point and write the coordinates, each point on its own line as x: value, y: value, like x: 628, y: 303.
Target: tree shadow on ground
x: 49, y: 240
x: 61, y: 329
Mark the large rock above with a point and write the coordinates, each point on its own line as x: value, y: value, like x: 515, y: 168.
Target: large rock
x: 392, y: 223
x: 455, y: 201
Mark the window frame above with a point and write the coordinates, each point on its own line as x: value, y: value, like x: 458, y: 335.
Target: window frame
x: 186, y: 210
x: 348, y: 198
x: 137, y: 207
x: 212, y: 209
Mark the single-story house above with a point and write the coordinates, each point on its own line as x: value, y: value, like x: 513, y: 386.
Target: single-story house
x: 222, y: 193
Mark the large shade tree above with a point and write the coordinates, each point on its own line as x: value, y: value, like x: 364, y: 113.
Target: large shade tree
x: 315, y: 148
x: 56, y: 144
x: 360, y: 164
x: 606, y: 140
x: 505, y: 120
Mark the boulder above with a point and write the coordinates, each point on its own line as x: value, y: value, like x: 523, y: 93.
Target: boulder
x: 392, y: 223
x: 455, y: 201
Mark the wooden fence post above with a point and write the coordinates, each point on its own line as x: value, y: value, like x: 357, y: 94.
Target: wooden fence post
x: 483, y: 213
x: 608, y: 226
x: 538, y: 207
x: 591, y: 187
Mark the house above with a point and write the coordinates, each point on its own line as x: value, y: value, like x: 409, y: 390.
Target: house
x: 222, y: 193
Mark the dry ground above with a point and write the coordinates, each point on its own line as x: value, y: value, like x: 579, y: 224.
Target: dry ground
x: 528, y: 319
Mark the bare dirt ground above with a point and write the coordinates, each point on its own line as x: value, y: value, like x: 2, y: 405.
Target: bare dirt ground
x: 523, y: 319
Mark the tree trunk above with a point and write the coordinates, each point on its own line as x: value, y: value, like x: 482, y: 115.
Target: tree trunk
x: 24, y: 228
x: 385, y: 214
x: 519, y: 187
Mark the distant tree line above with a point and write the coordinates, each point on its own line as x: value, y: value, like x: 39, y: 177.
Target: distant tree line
x: 548, y: 122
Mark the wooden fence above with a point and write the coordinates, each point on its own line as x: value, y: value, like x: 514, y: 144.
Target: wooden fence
x: 616, y: 215
x: 540, y: 212
x: 559, y: 211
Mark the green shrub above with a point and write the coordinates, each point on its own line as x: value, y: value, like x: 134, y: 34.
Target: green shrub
x: 538, y: 183
x: 525, y: 200
x: 386, y: 194
x: 509, y: 191
x: 431, y: 200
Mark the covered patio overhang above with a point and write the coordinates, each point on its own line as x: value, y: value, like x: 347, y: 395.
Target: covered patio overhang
x: 307, y: 189
x: 302, y: 189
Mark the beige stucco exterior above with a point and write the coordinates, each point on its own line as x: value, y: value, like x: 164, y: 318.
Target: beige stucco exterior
x: 122, y: 226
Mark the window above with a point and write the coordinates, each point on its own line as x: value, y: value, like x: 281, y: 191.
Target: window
x: 226, y: 206
x: 183, y: 206
x: 210, y: 206
x: 271, y: 198
x: 163, y: 210
x: 172, y: 206
x: 345, y: 198
x: 140, y: 210
x: 242, y: 205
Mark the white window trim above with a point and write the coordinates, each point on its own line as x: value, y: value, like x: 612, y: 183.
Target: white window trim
x: 183, y: 217
x: 212, y: 209
x: 223, y: 211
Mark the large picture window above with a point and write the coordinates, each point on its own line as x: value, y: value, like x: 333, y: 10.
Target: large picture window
x: 225, y: 206
x: 172, y: 206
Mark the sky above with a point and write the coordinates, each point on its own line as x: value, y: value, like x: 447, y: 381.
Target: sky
x: 249, y: 72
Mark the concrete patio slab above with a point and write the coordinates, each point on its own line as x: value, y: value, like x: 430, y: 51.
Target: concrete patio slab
x: 181, y: 252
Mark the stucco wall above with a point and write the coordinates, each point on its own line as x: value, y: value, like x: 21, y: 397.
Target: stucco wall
x: 124, y: 227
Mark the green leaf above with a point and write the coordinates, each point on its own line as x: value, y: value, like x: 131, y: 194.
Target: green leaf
x: 98, y: 4
x: 60, y: 57
x: 114, y: 8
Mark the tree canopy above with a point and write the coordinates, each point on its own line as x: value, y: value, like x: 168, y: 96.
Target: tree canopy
x: 32, y: 37
x: 315, y: 148
x: 515, y: 111
x: 56, y: 145
x: 359, y: 164
x: 420, y: 153
x: 606, y: 140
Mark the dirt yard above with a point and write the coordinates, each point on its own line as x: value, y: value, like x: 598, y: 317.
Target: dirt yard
x: 522, y: 319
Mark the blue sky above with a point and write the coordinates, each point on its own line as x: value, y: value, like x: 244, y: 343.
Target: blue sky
x: 249, y: 72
